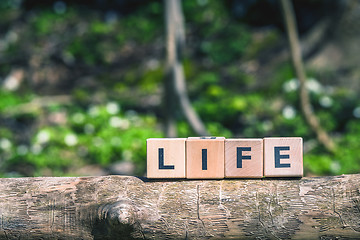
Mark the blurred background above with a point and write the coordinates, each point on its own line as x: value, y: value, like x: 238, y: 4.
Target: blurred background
x: 83, y: 84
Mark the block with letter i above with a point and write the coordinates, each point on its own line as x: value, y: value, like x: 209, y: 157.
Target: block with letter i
x: 165, y: 157
x: 283, y: 157
x: 244, y: 158
x: 205, y: 157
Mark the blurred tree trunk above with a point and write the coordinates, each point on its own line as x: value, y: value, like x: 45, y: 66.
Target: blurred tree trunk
x: 175, y: 94
x: 297, y: 61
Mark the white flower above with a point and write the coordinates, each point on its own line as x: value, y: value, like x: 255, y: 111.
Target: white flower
x: 291, y: 85
x: 267, y: 125
x: 11, y: 83
x: 78, y: 118
x: 5, y: 144
x: 314, y: 86
x: 326, y: 101
x: 356, y: 112
x: 22, y: 150
x: 97, y: 141
x: 117, y: 122
x: 59, y: 7
x: 11, y: 37
x: 289, y: 112
x: 112, y: 108
x: 152, y: 64
x: 127, y: 155
x: 311, y: 84
x: 71, y: 139
x: 89, y: 128
x: 43, y: 136
x: 132, y: 115
x: 335, y: 166
x: 125, y: 124
x: 93, y: 111
x: 36, y: 149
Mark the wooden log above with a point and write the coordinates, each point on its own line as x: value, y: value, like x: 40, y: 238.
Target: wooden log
x: 114, y: 207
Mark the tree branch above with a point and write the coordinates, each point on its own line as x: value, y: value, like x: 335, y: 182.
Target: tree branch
x: 296, y: 58
x: 37, y: 104
x: 175, y: 85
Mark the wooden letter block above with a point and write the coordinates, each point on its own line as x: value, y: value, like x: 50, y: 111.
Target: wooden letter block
x: 205, y: 157
x: 244, y: 158
x: 283, y: 157
x: 165, y: 157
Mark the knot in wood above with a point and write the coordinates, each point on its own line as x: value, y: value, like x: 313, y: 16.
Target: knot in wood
x: 119, y: 212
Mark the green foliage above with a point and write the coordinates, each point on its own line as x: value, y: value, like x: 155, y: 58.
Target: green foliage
x: 151, y: 80
x: 222, y: 39
x: 144, y: 25
x: 101, y: 134
x: 9, y: 100
x: 345, y: 160
x: 79, y: 50
x: 118, y: 105
x: 262, y: 43
x: 223, y: 50
x: 6, y: 5
x: 48, y: 22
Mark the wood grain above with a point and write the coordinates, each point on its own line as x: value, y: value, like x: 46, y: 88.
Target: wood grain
x: 171, y: 153
x: 114, y: 207
x: 250, y: 168
x: 205, y: 158
x: 290, y: 157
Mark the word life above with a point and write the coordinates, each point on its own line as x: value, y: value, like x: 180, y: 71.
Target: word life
x: 217, y: 157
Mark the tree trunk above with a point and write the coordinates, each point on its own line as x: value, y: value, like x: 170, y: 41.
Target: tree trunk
x: 114, y: 207
x: 175, y: 87
x: 296, y: 58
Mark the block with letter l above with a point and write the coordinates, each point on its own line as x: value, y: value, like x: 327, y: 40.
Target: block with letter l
x: 166, y: 157
x: 283, y: 157
x: 205, y: 157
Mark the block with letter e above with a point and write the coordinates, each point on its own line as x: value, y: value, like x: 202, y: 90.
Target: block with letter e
x: 205, y: 157
x: 244, y: 158
x: 166, y: 157
x: 283, y: 157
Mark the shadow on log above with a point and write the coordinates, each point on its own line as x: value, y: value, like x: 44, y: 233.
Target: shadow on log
x: 114, y: 207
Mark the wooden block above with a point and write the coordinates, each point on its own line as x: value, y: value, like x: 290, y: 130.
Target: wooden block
x: 283, y: 157
x: 244, y: 158
x: 205, y: 157
x: 166, y: 157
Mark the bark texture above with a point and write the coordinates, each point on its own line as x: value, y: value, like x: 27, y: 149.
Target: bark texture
x: 115, y: 207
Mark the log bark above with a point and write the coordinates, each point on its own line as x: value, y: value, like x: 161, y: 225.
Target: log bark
x: 115, y: 207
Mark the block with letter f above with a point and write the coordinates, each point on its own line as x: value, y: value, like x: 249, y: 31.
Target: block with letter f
x: 244, y: 158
